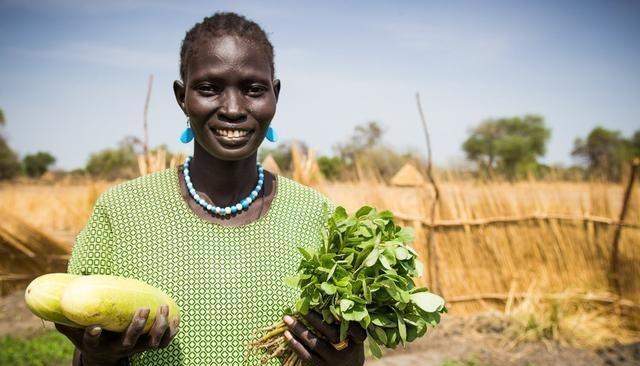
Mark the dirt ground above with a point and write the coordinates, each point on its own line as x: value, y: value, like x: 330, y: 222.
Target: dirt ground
x: 479, y: 338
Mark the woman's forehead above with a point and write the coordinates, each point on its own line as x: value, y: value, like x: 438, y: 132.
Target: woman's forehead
x: 228, y: 53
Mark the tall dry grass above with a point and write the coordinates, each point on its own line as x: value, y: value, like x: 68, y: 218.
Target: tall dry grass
x: 480, y: 266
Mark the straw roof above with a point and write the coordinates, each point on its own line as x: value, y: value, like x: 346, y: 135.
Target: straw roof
x: 270, y: 164
x: 408, y: 175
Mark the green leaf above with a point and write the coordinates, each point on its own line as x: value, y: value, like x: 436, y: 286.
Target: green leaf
x: 302, y: 305
x: 292, y: 281
x: 327, y: 316
x: 364, y: 210
x: 365, y: 291
x: 340, y: 214
x: 344, y: 327
x: 375, y: 349
x: 385, y: 262
x: 402, y: 253
x: 372, y: 258
x: 328, y: 288
x: 306, y: 253
x: 427, y: 301
x: 345, y: 305
x: 402, y: 328
x: 333, y: 269
x: 380, y: 333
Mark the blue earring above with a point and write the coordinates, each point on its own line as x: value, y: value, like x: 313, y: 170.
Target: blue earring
x: 271, y: 134
x: 187, y: 134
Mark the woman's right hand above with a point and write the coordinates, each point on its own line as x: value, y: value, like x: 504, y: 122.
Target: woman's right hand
x: 102, y: 347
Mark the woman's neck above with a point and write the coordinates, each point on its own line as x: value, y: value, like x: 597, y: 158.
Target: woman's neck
x: 224, y: 182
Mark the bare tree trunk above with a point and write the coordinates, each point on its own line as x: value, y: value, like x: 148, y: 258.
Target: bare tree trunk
x: 431, y: 245
x: 145, y: 143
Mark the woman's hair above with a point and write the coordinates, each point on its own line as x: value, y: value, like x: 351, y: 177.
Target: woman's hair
x: 224, y: 24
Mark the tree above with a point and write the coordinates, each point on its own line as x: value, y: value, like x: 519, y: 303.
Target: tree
x: 605, y: 152
x: 120, y: 162
x: 510, y: 145
x: 635, y: 144
x: 331, y: 167
x: 364, y: 137
x: 9, y: 163
x: 34, y: 165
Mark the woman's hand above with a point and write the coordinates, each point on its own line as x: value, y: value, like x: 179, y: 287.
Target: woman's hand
x: 317, y: 351
x: 103, y: 347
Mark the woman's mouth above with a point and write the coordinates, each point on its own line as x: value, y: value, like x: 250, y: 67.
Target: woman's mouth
x: 232, y: 137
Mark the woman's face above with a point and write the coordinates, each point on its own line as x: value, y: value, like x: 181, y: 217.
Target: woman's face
x: 229, y: 96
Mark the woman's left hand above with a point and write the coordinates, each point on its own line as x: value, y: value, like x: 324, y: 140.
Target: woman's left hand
x: 319, y: 352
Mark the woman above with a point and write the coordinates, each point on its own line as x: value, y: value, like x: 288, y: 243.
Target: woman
x: 218, y: 234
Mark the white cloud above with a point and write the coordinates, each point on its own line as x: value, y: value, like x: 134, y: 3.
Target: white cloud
x: 99, y: 54
x: 461, y: 41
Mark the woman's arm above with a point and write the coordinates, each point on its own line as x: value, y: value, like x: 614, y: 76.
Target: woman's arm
x: 92, y: 254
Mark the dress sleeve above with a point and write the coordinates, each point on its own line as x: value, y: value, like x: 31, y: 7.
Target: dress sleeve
x: 328, y: 207
x: 92, y: 252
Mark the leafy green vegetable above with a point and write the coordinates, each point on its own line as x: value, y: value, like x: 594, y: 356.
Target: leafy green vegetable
x: 363, y: 272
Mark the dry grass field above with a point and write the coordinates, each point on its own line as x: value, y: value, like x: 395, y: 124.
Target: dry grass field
x: 537, y: 251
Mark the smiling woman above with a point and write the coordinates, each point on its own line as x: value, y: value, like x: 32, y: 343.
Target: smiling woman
x: 224, y: 267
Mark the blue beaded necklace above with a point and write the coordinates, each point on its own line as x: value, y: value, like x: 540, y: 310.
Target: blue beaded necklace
x: 223, y: 211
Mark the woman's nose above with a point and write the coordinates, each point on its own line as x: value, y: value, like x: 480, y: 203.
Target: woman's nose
x: 233, y: 108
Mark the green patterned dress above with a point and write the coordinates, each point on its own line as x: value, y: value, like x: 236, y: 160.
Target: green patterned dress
x: 226, y: 280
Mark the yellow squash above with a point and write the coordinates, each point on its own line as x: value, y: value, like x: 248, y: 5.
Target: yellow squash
x: 43, y: 297
x: 111, y: 301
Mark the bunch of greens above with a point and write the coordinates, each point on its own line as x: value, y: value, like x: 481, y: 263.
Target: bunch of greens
x: 361, y: 273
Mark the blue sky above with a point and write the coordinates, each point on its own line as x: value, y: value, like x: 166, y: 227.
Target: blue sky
x: 74, y: 73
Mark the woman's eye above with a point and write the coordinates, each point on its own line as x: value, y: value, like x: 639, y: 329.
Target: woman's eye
x: 256, y: 90
x: 209, y: 89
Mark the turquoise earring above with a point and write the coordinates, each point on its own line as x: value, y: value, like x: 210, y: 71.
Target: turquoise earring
x: 187, y: 134
x: 271, y: 134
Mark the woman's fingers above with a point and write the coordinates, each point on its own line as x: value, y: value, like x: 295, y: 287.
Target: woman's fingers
x: 356, y: 332
x: 74, y: 334
x: 315, y: 344
x: 91, y: 336
x: 170, y: 333
x: 302, y: 352
x: 160, y: 325
x: 331, y: 332
x: 134, y: 330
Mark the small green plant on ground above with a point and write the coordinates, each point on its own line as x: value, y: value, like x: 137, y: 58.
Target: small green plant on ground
x: 47, y: 349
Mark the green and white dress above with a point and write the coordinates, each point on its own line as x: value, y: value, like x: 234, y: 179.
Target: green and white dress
x: 228, y: 281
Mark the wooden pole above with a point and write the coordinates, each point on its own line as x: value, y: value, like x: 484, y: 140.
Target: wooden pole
x: 615, y: 246
x: 432, y: 260
x: 145, y: 145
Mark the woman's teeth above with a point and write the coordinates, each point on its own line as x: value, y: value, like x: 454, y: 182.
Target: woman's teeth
x: 232, y: 133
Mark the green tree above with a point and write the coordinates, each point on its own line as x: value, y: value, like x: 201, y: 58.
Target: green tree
x: 635, y: 144
x: 120, y: 162
x: 605, y: 152
x: 510, y: 146
x: 364, y: 137
x: 331, y: 167
x: 9, y: 162
x: 34, y: 165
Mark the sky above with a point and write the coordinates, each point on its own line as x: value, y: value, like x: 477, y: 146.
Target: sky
x: 74, y: 73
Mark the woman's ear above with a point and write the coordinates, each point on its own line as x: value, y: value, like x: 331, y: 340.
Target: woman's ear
x: 179, y: 92
x: 276, y: 88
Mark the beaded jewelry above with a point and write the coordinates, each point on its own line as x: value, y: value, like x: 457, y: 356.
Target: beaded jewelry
x: 229, y: 210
